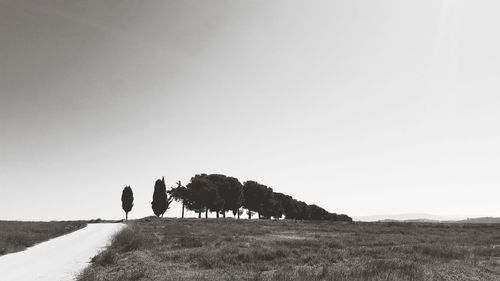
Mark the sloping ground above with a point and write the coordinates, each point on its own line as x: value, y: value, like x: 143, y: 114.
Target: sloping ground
x: 228, y: 249
x: 59, y: 259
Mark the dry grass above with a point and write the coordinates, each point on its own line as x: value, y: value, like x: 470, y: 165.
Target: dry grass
x: 16, y: 236
x: 228, y: 249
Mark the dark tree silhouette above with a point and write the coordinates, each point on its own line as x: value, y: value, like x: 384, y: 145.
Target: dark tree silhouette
x: 269, y: 205
x: 179, y: 194
x: 285, y: 204
x: 343, y: 217
x: 161, y: 201
x: 220, y: 194
x: 228, y: 195
x: 232, y: 194
x: 303, y: 211
x: 216, y: 202
x: 127, y: 200
x: 318, y: 213
x: 252, y: 192
x: 277, y: 209
x: 198, y: 194
x: 290, y: 206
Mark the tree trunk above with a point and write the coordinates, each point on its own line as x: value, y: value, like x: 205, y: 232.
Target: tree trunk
x: 206, y: 213
x: 258, y: 215
x: 182, y: 209
x: 217, y: 212
x: 249, y: 214
x: 126, y: 216
x: 238, y: 213
x: 199, y: 214
x: 224, y: 214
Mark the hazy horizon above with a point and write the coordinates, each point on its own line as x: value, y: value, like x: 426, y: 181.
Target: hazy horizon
x: 361, y: 107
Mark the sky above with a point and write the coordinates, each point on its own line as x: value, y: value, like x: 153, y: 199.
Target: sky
x: 361, y: 107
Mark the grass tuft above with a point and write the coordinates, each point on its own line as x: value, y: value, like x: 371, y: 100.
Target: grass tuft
x: 127, y: 240
x: 189, y: 242
x: 105, y: 258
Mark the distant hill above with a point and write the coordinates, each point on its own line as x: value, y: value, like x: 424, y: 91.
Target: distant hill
x: 428, y: 218
x: 481, y: 220
x: 415, y: 217
x: 416, y: 220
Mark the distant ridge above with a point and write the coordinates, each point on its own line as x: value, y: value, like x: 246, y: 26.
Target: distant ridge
x: 481, y: 220
x: 429, y: 218
x: 421, y: 217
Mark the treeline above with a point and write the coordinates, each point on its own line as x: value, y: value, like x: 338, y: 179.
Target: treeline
x: 221, y: 194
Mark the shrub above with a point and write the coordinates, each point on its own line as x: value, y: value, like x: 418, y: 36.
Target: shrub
x: 105, y: 258
x: 127, y: 240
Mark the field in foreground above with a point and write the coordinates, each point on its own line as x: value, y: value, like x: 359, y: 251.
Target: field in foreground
x: 16, y: 235
x: 228, y: 249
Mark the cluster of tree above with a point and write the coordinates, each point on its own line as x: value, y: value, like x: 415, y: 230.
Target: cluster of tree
x: 262, y: 200
x: 214, y: 193
x: 221, y: 194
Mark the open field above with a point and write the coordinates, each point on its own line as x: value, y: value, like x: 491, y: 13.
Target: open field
x: 61, y: 258
x: 17, y: 236
x: 228, y: 249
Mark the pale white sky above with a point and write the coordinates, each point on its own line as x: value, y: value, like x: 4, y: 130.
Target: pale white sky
x: 361, y: 107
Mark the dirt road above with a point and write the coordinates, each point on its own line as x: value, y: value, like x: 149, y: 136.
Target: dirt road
x: 59, y: 259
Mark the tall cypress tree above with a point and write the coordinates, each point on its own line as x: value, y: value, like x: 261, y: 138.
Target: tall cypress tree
x: 127, y: 200
x: 160, y: 201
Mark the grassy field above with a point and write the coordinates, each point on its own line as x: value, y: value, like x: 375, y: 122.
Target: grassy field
x: 228, y: 249
x: 16, y: 235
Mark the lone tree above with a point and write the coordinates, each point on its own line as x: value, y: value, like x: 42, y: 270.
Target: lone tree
x: 161, y: 201
x: 127, y: 200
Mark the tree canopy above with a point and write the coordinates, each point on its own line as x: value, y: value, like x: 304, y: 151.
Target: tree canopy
x: 219, y: 193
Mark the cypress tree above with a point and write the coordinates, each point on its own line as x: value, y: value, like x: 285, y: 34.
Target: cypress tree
x: 160, y: 201
x: 127, y: 200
